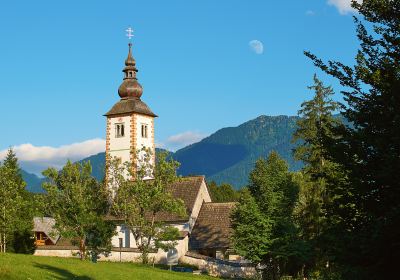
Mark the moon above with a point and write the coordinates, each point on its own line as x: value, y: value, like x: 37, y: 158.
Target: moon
x: 256, y: 46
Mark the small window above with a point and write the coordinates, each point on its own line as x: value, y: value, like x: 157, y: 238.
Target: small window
x: 119, y: 130
x: 144, y: 130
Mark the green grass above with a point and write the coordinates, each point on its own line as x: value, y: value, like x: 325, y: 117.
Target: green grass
x: 13, y: 266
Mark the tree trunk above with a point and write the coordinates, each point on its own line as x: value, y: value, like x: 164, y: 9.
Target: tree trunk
x: 145, y: 257
x: 4, y: 242
x: 82, y: 248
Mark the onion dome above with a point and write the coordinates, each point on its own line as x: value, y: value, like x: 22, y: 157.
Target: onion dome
x: 130, y: 87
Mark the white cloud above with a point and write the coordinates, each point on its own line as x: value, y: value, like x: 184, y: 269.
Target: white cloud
x: 181, y: 140
x: 160, y: 145
x: 256, y: 46
x: 37, y: 158
x: 344, y: 6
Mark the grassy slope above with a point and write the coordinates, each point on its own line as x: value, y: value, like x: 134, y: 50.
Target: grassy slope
x: 13, y: 266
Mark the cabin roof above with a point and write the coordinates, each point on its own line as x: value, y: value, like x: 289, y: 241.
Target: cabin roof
x: 46, y: 225
x: 213, y: 226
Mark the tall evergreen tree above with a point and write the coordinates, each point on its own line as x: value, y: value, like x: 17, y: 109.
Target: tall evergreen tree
x: 16, y: 219
x: 315, y: 125
x: 367, y: 209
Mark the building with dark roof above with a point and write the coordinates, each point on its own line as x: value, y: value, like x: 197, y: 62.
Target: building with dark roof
x: 43, y: 228
x: 130, y: 127
x: 212, y: 231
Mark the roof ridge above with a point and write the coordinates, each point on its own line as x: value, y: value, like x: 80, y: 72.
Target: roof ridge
x: 221, y: 203
x: 193, y: 176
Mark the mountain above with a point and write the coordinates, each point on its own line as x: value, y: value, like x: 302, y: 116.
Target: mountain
x: 226, y: 156
x: 33, y: 182
x: 98, y: 163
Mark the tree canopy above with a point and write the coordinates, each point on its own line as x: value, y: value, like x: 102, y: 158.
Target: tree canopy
x: 78, y: 203
x: 16, y: 218
x: 140, y: 193
x: 366, y: 209
x: 263, y: 224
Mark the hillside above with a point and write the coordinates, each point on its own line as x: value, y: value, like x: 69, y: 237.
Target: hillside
x: 33, y: 182
x: 228, y: 155
x: 98, y: 163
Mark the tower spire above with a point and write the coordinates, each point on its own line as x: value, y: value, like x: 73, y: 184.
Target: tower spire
x: 130, y: 87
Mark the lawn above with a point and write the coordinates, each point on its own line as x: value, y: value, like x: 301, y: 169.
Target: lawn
x: 13, y: 266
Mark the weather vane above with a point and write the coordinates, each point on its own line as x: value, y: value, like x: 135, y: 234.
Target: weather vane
x: 129, y: 33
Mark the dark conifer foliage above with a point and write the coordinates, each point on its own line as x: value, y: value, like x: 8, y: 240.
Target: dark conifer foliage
x: 17, y: 208
x: 317, y: 124
x: 368, y: 208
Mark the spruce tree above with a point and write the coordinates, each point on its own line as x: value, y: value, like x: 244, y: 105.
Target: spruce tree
x: 16, y: 219
x: 315, y: 127
x: 367, y: 209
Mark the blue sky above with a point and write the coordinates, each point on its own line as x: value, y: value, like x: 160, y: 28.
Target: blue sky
x: 61, y: 65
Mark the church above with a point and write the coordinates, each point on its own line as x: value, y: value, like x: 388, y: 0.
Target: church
x: 204, y: 231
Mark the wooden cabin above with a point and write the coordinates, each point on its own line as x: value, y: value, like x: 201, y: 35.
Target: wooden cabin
x: 44, y: 232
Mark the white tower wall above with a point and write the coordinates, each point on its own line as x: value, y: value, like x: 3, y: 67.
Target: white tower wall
x: 119, y: 147
x: 125, y: 147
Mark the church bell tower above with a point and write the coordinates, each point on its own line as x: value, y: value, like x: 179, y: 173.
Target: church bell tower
x: 130, y: 122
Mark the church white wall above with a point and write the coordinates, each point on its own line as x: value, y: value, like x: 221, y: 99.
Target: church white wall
x: 203, y: 196
x: 182, y: 247
x: 144, y: 142
x: 128, y: 241
x: 120, y: 146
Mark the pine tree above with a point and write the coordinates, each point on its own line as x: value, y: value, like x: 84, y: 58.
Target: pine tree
x: 315, y: 128
x: 316, y: 124
x: 367, y: 209
x: 16, y: 217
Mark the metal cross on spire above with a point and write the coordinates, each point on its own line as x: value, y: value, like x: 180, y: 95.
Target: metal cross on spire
x: 129, y: 33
